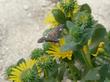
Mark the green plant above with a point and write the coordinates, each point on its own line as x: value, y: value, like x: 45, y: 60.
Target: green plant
x: 37, y: 53
x: 76, y: 47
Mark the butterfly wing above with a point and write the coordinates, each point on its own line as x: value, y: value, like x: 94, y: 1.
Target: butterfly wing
x: 53, y: 35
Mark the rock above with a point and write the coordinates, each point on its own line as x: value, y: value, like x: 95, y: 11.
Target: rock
x: 26, y: 7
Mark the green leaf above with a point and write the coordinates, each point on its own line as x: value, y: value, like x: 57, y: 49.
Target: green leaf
x: 104, y: 72
x: 9, y: 70
x: 98, y: 35
x: 92, y: 75
x: 61, y: 72
x: 37, y: 53
x: 46, y: 46
x: 82, y: 19
x: 59, y: 16
x: 21, y: 61
x: 85, y: 36
x: 69, y: 24
x: 107, y: 80
x: 71, y: 27
x: 73, y: 72
x: 68, y: 38
x: 69, y: 44
x: 107, y: 45
x: 85, y: 7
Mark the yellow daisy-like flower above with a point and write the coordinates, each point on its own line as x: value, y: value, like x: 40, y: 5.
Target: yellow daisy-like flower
x: 51, y: 20
x: 17, y: 72
x: 57, y: 53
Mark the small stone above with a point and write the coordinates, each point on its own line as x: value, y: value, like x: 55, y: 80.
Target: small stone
x: 29, y: 14
x: 37, y: 28
x: 1, y: 60
x: 26, y: 7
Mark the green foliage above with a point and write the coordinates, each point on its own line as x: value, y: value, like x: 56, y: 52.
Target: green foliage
x: 98, y: 35
x: 37, y: 53
x: 30, y: 75
x: 107, y: 80
x: 71, y: 27
x: 107, y: 46
x: 82, y: 18
x: 9, y: 70
x: 69, y: 43
x: 99, y: 74
x: 85, y: 7
x: 46, y: 46
x: 92, y: 75
x: 68, y: 7
x: 59, y: 16
x: 104, y: 72
x: 20, y: 61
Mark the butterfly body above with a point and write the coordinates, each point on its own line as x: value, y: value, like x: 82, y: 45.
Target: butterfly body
x: 53, y: 35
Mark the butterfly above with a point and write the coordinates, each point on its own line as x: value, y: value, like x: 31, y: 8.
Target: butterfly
x: 52, y: 35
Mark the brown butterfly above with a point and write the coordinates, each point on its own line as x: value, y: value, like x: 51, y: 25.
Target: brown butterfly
x: 53, y: 35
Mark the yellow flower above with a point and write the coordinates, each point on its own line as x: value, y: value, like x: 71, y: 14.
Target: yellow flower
x: 57, y: 53
x: 101, y: 45
x: 51, y: 20
x: 100, y: 49
x: 17, y: 72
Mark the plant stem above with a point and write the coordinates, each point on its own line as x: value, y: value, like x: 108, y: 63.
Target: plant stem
x: 87, y: 59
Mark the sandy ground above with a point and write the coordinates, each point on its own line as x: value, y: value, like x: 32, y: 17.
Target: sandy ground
x: 21, y: 24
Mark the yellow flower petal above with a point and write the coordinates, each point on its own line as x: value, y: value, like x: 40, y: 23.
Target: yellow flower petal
x: 51, y: 20
x: 57, y: 53
x: 21, y: 68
